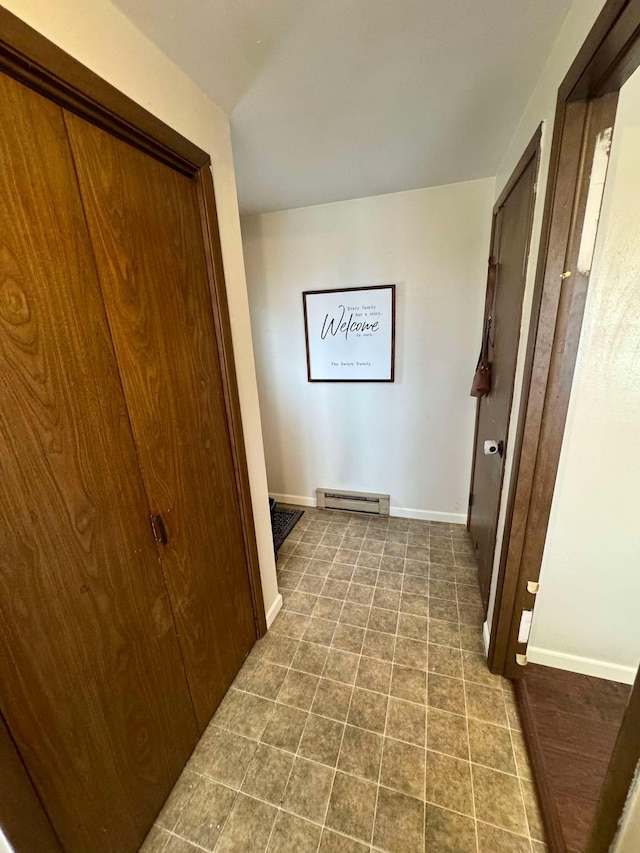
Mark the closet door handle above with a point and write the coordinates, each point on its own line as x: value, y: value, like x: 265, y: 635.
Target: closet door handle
x: 159, y: 530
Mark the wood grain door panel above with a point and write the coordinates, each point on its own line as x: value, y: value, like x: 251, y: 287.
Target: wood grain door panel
x: 512, y: 231
x: 147, y: 237
x: 92, y: 684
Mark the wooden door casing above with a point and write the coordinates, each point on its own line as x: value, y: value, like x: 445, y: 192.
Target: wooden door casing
x: 144, y: 223
x: 510, y: 248
x: 92, y: 685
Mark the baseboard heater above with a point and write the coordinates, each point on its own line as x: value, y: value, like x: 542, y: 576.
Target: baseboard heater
x: 366, y: 502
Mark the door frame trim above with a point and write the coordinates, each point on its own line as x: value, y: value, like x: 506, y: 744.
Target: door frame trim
x: 532, y: 151
x: 30, y: 58
x: 587, y: 100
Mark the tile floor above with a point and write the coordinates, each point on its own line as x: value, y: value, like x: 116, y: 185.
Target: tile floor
x: 366, y: 719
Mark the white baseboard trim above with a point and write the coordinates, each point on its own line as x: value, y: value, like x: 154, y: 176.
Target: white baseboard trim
x: 428, y: 515
x: 297, y: 500
x: 273, y: 611
x: 486, y: 637
x: 584, y: 666
x: 397, y: 511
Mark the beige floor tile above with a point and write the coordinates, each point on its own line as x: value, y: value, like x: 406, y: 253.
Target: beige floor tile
x: 177, y: 800
x: 227, y: 758
x: 341, y: 572
x: 291, y: 625
x: 386, y: 599
x: 448, y: 832
x: 444, y: 611
x: 447, y: 733
x: 383, y: 620
x: 374, y: 675
x: 413, y: 627
x: 485, y: 704
x: 341, y: 666
x: 409, y: 684
x: 248, y: 827
x: 498, y: 799
x: 445, y: 693
x: 348, y: 638
x: 318, y: 631
x: 293, y: 833
x: 368, y: 710
x: 444, y: 633
x: 180, y: 845
x: 298, y: 689
x: 244, y: 713
x: 445, y: 660
x: 267, y: 775
x: 389, y: 580
x: 333, y: 842
x: 399, y: 823
x: 491, y: 839
x: 327, y: 608
x: 412, y: 653
x: 476, y: 669
x: 534, y: 818
x: 308, y: 789
x: 341, y: 694
x: 491, y: 746
x: 403, y: 767
x: 379, y: 645
x: 352, y: 807
x: 276, y: 648
x: 332, y: 699
x: 321, y: 740
x: 361, y: 753
x: 285, y: 727
x: 448, y: 782
x: 355, y: 614
x: 202, y: 818
x: 406, y: 721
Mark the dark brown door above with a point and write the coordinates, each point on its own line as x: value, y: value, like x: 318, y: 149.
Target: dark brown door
x: 145, y: 227
x: 92, y: 685
x: 503, y: 314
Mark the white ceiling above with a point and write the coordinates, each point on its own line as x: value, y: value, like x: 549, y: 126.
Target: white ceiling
x: 337, y: 99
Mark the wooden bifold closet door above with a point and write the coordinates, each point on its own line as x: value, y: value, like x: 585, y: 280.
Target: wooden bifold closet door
x: 92, y: 685
x: 146, y: 234
x: 125, y: 605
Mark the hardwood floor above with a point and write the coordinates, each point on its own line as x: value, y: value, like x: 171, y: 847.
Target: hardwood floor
x: 570, y: 723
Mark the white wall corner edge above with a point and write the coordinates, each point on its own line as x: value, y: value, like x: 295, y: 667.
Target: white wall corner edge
x: 486, y: 638
x: 582, y: 665
x: 397, y: 511
x: 273, y: 611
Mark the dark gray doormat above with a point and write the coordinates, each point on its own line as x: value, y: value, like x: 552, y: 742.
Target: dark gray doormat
x: 282, y: 523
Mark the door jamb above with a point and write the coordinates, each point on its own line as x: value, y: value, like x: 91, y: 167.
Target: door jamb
x: 29, y: 57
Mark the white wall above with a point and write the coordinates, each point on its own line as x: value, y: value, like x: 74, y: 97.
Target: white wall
x: 541, y: 108
x: 99, y: 36
x: 413, y: 438
x: 628, y: 837
x: 587, y: 607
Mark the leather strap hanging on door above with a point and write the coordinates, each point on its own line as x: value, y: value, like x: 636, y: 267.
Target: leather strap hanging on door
x: 481, y: 384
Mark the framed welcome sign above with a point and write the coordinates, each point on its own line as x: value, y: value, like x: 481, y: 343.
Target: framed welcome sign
x: 350, y: 334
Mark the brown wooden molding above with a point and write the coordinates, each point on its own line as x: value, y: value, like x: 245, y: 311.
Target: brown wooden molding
x: 555, y: 839
x: 620, y: 775
x: 29, y: 57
